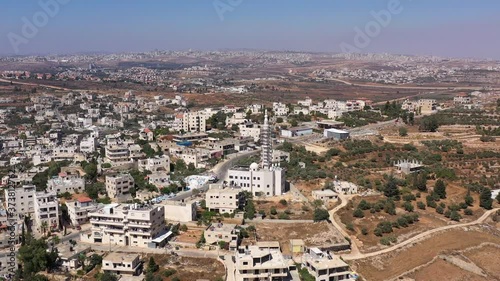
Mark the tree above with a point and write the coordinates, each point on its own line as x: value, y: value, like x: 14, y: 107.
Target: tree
x: 403, y: 132
x: 321, y: 215
x: 273, y: 211
x: 364, y: 231
x: 283, y: 202
x: 455, y: 216
x: 408, y: 206
x: 44, y: 227
x: 485, y: 200
x: 91, y: 170
x: 429, y: 124
x: 152, y: 266
x: 279, y: 120
x: 106, y: 276
x: 358, y: 213
x: 440, y: 189
x: 391, y: 188
x: 468, y: 199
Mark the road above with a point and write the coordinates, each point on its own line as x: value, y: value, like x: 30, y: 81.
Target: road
x: 220, y: 169
x: 344, y: 199
x: 407, y: 87
x: 358, y: 255
x: 36, y: 85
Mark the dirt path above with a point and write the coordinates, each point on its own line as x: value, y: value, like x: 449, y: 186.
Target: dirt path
x: 357, y: 255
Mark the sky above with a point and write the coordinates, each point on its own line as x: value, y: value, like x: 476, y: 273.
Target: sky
x: 447, y: 28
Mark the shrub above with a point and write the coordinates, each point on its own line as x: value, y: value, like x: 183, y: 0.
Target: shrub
x: 283, y: 202
x: 408, y: 206
x: 421, y: 205
x: 447, y: 213
x: 169, y: 272
x: 363, y: 205
x: 455, y: 216
x: 485, y: 200
x: 321, y: 215
x: 439, y: 210
x: 468, y: 212
x: 364, y: 231
x: 273, y: 211
x: 358, y: 213
x: 349, y: 226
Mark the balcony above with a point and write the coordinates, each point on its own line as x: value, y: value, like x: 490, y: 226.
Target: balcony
x: 106, y: 222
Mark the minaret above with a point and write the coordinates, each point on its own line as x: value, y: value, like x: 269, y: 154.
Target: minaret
x: 265, y: 139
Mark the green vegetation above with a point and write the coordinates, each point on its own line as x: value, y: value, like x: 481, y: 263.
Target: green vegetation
x: 485, y: 200
x: 440, y: 189
x: 321, y: 215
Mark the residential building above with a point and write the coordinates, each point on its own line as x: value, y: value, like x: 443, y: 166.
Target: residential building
x: 121, y: 264
x: 325, y: 267
x: 66, y: 183
x: 179, y: 211
x: 255, y: 263
x: 88, y: 145
x: 23, y: 199
x: 194, y: 121
x: 156, y: 164
x: 462, y: 98
x: 117, y: 153
x: 408, y: 166
x: 126, y: 225
x: 118, y: 185
x: 217, y: 232
x: 79, y: 210
x: 325, y: 195
x: 46, y: 211
x: 224, y: 200
x: 427, y: 105
x: 280, y: 109
x: 280, y: 156
x: 159, y: 179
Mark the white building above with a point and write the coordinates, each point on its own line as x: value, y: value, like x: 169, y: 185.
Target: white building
x: 121, y: 264
x: 223, y: 200
x: 119, y: 185
x: 462, y: 99
x: 79, y: 209
x: 88, y: 145
x: 23, y: 199
x: 280, y: 109
x: 217, y: 232
x: 116, y: 154
x: 46, y: 210
x: 179, y: 211
x: 66, y: 183
x: 194, y: 121
x: 158, y: 163
x: 159, y: 179
x: 325, y: 267
x: 126, y: 225
x: 255, y: 263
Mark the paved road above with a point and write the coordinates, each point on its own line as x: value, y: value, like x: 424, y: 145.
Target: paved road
x: 357, y: 256
x: 405, y: 87
x: 221, y: 168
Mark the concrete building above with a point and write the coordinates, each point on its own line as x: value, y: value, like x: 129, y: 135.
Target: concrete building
x: 325, y: 195
x: 217, y: 232
x: 121, y: 264
x: 344, y: 187
x: 265, y: 180
x: 255, y: 263
x: 126, y: 225
x: 46, y: 211
x: 297, y: 246
x: 224, y: 200
x: 119, y: 185
x: 65, y: 182
x: 462, y: 98
x: 158, y: 163
x: 427, y: 105
x: 79, y: 210
x: 194, y: 121
x: 117, y: 153
x: 88, y: 145
x: 325, y: 267
x: 179, y: 211
x: 296, y: 132
x: 280, y: 156
x: 280, y: 109
x: 159, y: 179
x: 408, y: 166
x: 23, y: 199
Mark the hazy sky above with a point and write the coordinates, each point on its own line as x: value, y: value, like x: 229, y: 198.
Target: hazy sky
x: 451, y: 28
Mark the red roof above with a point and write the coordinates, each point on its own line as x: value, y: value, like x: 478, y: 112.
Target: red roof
x: 84, y: 199
x: 147, y: 130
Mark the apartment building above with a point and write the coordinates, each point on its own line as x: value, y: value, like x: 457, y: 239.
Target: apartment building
x: 250, y: 130
x: 121, y: 264
x: 118, y: 185
x: 65, y: 182
x: 217, y: 232
x: 194, y: 121
x: 224, y: 200
x: 158, y: 163
x: 46, y: 211
x: 79, y: 210
x: 179, y: 211
x: 126, y: 225
x: 88, y: 145
x: 117, y: 153
x: 256, y: 263
x: 462, y: 98
x: 23, y: 198
x: 159, y: 179
x: 427, y: 105
x: 280, y: 109
x: 325, y: 267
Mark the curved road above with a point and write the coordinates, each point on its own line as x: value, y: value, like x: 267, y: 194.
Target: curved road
x: 357, y: 256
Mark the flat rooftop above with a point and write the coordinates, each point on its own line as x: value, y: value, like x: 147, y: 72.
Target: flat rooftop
x: 120, y: 257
